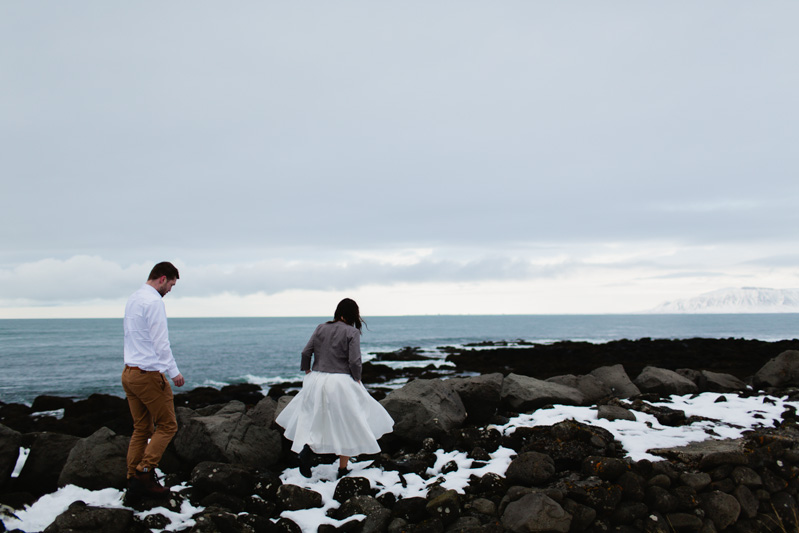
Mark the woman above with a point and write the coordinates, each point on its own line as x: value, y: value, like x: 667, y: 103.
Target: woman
x: 334, y: 413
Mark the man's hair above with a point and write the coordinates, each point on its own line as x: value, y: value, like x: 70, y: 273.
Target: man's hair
x: 164, y: 269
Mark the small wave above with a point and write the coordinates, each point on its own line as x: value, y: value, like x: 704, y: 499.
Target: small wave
x: 272, y: 380
x: 438, y: 363
x: 214, y: 384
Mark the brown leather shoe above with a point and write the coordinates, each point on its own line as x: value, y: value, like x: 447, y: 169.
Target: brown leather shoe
x: 147, y: 482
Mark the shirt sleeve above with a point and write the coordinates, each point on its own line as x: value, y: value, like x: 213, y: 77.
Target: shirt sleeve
x: 305, y: 359
x: 355, y: 355
x: 159, y: 334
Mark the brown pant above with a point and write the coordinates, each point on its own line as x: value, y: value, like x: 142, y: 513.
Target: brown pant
x: 153, y: 409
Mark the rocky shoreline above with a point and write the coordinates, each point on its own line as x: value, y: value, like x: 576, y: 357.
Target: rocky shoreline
x: 568, y: 477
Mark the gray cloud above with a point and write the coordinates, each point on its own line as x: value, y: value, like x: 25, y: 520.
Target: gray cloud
x: 278, y: 135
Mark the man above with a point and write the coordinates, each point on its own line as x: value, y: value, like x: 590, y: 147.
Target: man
x: 147, y: 357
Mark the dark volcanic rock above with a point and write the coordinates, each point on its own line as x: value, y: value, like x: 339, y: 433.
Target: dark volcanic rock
x: 97, y: 462
x: 739, y: 357
x: 480, y: 396
x: 80, y: 517
x: 664, y: 382
x: 781, y: 371
x: 424, y: 408
x: 10, y: 441
x: 48, y: 455
x: 526, y: 394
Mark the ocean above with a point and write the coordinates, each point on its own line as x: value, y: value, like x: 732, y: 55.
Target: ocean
x: 78, y: 357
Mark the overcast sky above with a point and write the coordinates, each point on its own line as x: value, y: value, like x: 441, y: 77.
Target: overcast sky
x: 423, y: 158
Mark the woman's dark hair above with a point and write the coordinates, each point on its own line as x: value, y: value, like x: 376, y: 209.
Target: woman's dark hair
x: 348, y: 310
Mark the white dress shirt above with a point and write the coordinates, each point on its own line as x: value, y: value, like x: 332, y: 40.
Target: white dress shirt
x: 146, y: 335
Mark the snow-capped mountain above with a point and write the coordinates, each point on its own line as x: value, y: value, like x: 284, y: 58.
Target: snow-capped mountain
x: 736, y: 300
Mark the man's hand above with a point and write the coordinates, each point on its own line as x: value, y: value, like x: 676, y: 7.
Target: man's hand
x: 178, y: 380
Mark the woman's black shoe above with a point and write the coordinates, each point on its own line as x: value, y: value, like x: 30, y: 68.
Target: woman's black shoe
x: 342, y: 472
x: 305, y: 461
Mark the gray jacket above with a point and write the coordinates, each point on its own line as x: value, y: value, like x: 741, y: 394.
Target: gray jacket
x: 336, y: 348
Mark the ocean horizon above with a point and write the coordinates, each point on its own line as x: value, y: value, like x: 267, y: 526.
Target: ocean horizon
x: 76, y: 357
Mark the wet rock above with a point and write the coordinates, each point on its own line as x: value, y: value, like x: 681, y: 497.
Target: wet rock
x: 684, y: 521
x: 79, y: 518
x: 10, y: 442
x: 480, y: 396
x: 664, y: 381
x: 411, y: 510
x: 445, y: 507
x: 487, y: 439
x: 720, y: 382
x: 48, y: 455
x: 695, y: 480
x: 723, y: 509
x: 743, y: 475
x: 615, y: 377
x: 615, y: 412
x: 660, y: 499
x: 377, y: 516
x: 607, y: 468
x: 592, y: 388
x: 582, y: 515
x: 263, y: 414
x: 530, y: 469
x: 536, y: 512
x: 633, y: 486
x: 97, y: 462
x: 782, y: 371
x: 424, y: 408
x: 749, y: 503
x: 567, y: 442
x: 294, y: 498
x: 209, y: 477
x: 349, y: 487
x: 482, y: 506
x: 628, y: 512
x: 706, y: 455
x: 229, y: 436
x: 526, y: 394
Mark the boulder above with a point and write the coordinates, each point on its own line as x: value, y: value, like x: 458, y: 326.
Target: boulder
x: 782, y: 371
x: 720, y: 382
x: 615, y: 412
x: 723, y: 509
x: 446, y: 507
x: 348, y: 487
x: 263, y: 414
x: 530, y: 469
x: 480, y: 396
x: 616, y: 378
x: 227, y: 436
x: 536, y: 512
x: 377, y: 516
x: 294, y: 498
x: 592, y: 388
x: 10, y: 441
x: 209, y: 477
x: 664, y: 381
x: 424, y: 408
x: 97, y: 462
x: 48, y: 455
x: 526, y: 394
x: 81, y: 517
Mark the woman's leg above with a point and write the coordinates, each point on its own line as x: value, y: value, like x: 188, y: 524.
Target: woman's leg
x: 343, y: 460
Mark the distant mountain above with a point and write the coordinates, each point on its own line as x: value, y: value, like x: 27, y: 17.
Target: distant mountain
x: 742, y: 300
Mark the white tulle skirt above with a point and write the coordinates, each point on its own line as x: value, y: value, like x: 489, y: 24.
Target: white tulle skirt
x: 335, y: 414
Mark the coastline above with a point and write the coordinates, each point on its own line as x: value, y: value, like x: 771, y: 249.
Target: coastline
x: 492, y: 384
